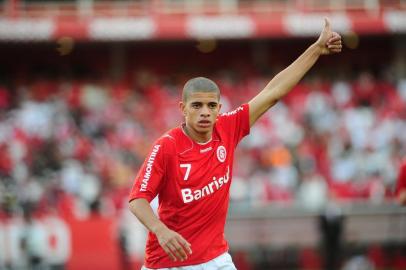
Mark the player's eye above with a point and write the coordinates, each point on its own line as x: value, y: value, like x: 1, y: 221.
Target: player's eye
x: 212, y: 105
x: 195, y: 105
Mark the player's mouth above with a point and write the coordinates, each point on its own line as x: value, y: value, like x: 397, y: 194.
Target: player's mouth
x: 204, y: 123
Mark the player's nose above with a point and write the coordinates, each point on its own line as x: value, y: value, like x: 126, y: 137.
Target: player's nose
x: 205, y: 111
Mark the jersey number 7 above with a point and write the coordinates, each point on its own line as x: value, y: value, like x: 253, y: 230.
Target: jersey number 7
x: 188, y: 167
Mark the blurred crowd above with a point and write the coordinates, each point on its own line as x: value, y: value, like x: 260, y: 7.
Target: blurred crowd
x: 73, y: 146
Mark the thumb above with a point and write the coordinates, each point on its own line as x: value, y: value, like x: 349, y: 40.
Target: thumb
x: 327, y: 24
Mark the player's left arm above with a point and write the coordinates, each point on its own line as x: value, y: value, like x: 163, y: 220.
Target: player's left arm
x: 329, y: 42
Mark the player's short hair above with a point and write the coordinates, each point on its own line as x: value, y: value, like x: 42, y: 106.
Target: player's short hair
x: 199, y: 84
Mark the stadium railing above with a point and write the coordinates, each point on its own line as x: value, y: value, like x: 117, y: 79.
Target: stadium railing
x: 161, y: 7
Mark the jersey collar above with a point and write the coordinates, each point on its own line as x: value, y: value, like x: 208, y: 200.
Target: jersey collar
x: 188, y: 144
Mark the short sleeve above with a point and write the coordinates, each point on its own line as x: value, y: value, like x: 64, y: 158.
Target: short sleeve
x: 237, y: 122
x: 149, y: 179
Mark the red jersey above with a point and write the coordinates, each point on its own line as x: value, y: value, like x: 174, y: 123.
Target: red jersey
x: 192, y: 182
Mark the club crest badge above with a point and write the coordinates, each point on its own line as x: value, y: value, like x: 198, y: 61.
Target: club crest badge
x: 221, y: 153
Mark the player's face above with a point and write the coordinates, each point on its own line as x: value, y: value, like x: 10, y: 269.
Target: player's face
x: 200, y: 111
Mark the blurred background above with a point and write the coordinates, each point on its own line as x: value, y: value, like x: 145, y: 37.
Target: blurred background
x: 87, y: 86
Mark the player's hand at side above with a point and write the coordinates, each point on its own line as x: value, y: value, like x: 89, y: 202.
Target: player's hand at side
x: 173, y: 243
x: 329, y: 42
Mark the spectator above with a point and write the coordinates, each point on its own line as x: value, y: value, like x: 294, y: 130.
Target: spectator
x: 401, y: 184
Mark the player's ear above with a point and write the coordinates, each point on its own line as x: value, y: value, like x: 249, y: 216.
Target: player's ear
x: 220, y: 106
x: 182, y: 107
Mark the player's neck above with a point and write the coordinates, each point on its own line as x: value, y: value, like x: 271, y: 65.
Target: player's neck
x: 200, y: 138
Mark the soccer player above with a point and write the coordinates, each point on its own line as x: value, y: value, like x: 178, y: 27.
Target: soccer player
x: 401, y: 184
x: 190, y: 168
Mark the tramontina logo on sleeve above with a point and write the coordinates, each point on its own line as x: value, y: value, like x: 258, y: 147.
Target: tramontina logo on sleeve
x: 221, y: 153
x: 189, y: 195
x: 148, y: 168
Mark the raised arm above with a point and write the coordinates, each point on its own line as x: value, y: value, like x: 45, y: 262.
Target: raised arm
x: 328, y: 42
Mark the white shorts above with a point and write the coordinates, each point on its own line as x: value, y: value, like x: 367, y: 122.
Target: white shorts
x: 222, y: 262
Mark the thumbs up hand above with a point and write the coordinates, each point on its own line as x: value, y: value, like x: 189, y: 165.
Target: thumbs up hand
x: 329, y: 42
